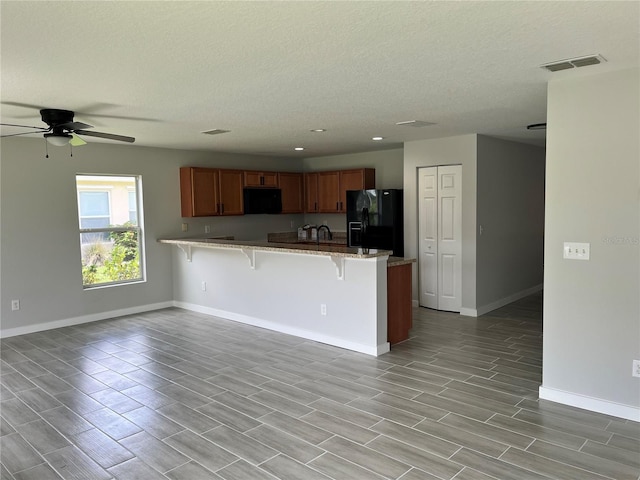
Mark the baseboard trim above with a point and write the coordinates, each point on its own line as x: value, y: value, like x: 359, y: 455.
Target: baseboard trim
x: 590, y: 403
x: 298, y: 332
x: 471, y: 312
x: 68, y: 322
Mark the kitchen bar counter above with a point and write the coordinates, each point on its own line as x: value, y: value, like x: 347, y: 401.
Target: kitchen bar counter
x: 309, y: 248
x: 331, y: 294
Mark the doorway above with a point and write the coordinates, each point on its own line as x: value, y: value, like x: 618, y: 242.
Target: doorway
x: 440, y: 237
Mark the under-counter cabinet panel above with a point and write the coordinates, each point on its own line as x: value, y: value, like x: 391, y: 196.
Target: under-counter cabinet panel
x: 206, y: 192
x: 291, y: 187
x: 261, y: 179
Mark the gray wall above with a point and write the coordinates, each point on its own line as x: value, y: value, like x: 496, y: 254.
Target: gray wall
x: 502, y: 190
x: 460, y: 150
x: 510, y: 215
x: 40, y: 246
x: 591, y: 308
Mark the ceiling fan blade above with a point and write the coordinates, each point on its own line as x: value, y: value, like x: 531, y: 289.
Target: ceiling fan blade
x: 71, y: 126
x: 109, y: 136
x: 76, y: 141
x: 16, y: 134
x: 23, y: 126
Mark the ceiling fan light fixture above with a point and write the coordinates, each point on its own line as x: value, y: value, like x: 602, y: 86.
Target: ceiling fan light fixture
x: 58, y: 139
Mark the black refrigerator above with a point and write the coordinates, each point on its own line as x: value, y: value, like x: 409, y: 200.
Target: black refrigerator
x: 375, y: 220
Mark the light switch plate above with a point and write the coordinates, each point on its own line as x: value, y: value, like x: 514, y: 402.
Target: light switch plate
x: 576, y: 251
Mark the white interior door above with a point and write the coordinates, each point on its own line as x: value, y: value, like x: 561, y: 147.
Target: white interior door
x: 428, y: 231
x: 440, y: 229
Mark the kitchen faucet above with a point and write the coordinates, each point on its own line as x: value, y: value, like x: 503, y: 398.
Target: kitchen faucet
x: 328, y: 231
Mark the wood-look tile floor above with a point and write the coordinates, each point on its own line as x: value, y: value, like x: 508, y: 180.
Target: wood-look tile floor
x: 176, y: 395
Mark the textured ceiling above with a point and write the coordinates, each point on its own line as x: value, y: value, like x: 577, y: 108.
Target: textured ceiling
x: 271, y: 71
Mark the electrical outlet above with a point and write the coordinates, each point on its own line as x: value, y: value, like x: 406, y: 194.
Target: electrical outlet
x: 323, y: 309
x: 636, y: 368
x: 15, y: 304
x: 185, y: 227
x: 207, y: 229
x: 576, y: 251
x: 204, y: 286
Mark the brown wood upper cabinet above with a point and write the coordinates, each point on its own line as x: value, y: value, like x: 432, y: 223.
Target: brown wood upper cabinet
x: 292, y: 188
x: 326, y: 192
x: 261, y: 179
x: 207, y: 192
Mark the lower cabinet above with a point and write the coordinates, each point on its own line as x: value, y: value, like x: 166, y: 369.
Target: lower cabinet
x: 399, y: 310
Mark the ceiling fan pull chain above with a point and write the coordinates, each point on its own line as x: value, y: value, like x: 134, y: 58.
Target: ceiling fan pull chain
x: 46, y: 148
x: 70, y: 150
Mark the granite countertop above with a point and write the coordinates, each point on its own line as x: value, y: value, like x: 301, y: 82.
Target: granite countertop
x: 305, y: 248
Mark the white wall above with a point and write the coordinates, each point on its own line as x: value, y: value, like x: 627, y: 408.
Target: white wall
x: 284, y: 292
x: 591, y: 308
x: 460, y: 150
x: 40, y: 245
x: 510, y: 213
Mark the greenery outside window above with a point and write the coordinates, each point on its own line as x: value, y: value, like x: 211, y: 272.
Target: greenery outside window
x: 110, y: 224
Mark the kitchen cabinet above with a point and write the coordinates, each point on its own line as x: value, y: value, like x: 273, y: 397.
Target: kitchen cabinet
x: 292, y: 188
x: 207, y: 192
x: 261, y: 179
x: 399, y: 320
x: 311, y: 192
x: 326, y: 192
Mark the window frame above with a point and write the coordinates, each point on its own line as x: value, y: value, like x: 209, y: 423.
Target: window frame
x: 137, y: 227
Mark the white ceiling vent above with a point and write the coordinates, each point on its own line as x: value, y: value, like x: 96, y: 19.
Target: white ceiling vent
x: 216, y: 131
x: 414, y: 123
x: 573, y: 63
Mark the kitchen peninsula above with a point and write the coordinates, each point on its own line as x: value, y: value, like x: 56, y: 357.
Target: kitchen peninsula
x: 331, y: 294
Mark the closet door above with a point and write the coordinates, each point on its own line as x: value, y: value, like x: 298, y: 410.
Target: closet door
x: 440, y: 231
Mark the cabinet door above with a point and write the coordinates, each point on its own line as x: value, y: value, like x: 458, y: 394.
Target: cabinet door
x: 362, y: 179
x: 260, y: 179
x: 198, y: 192
x: 270, y: 179
x: 329, y: 192
x: 291, y: 187
x: 231, y: 184
x: 311, y: 192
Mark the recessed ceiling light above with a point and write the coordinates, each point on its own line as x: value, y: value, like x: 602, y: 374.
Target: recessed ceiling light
x: 377, y: 139
x: 318, y: 130
x: 299, y: 149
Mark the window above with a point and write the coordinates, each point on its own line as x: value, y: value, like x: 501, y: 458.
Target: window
x: 110, y: 224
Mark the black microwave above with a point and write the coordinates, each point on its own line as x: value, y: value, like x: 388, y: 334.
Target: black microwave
x: 262, y: 200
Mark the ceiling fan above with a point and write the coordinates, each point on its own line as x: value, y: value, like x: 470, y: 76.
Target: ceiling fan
x: 62, y: 130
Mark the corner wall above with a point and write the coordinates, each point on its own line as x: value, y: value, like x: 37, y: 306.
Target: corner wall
x: 40, y: 243
x: 510, y: 209
x: 460, y: 150
x: 592, y: 308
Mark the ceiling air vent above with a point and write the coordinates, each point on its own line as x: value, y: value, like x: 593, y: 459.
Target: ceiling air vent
x: 573, y: 63
x: 216, y: 131
x: 414, y: 123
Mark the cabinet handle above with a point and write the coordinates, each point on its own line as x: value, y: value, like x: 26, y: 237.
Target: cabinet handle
x: 222, y: 205
x: 315, y: 206
x: 261, y: 180
x: 340, y: 205
x: 337, y: 206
